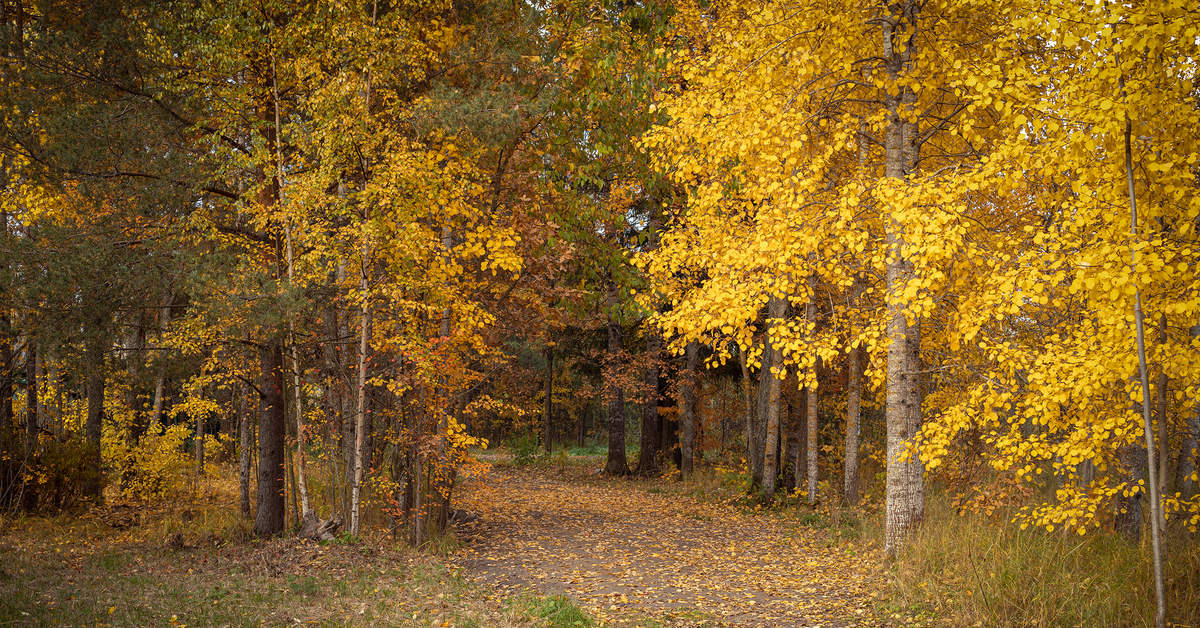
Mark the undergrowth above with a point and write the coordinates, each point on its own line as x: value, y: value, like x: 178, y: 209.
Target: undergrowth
x: 979, y: 570
x: 985, y: 570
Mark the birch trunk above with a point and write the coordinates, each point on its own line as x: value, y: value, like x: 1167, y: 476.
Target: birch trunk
x: 360, y: 413
x: 1156, y: 517
x: 1164, y: 451
x: 905, y: 495
x: 810, y: 402
x: 770, y: 473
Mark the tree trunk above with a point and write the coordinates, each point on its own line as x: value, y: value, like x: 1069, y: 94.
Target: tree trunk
x: 60, y: 385
x: 156, y: 409
x: 748, y: 398
x: 687, y: 410
x: 1128, y: 518
x: 301, y: 481
x: 331, y: 406
x: 6, y: 350
x: 199, y: 448
x: 853, y: 394
x: 360, y: 413
x: 583, y: 425
x: 94, y: 359
x: 792, y: 401
x: 800, y: 452
x: 651, y: 441
x: 156, y: 412
x: 905, y: 499
x: 616, y: 463
x: 1164, y: 451
x: 31, y: 392
x: 135, y: 398
x: 810, y: 402
x: 548, y: 402
x: 43, y: 388
x: 1156, y: 513
x: 762, y: 391
x: 6, y: 370
x: 1188, y: 447
x: 298, y: 409
x: 770, y: 473
x: 272, y: 425
x: 347, y: 400
x: 245, y: 442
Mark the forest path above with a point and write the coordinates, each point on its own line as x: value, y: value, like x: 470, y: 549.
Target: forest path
x: 633, y: 554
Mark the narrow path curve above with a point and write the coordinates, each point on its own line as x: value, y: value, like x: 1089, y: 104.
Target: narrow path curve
x: 628, y: 554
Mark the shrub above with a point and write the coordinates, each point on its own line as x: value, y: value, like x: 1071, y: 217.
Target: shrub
x: 55, y: 477
x: 525, y: 449
x: 159, y: 466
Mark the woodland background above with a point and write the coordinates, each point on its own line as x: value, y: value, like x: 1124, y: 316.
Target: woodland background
x: 920, y: 260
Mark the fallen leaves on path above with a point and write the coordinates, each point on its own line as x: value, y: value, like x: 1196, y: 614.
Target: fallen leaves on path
x: 620, y: 550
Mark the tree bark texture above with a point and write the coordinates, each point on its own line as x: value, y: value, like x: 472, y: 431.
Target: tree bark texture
x: 905, y: 495
x: 775, y: 312
x: 1127, y: 521
x: 548, y: 402
x: 651, y: 440
x: 94, y: 358
x: 812, y: 428
x: 272, y: 426
x: 687, y: 410
x: 616, y: 463
x: 31, y: 392
x: 1186, y: 465
x: 245, y: 442
x: 748, y: 399
x: 1164, y: 451
x: 853, y: 416
x: 360, y: 414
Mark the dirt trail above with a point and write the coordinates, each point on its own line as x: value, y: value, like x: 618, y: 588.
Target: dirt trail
x: 629, y: 554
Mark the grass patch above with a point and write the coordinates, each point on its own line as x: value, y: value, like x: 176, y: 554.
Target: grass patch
x: 192, y: 563
x: 593, y: 449
x: 977, y: 570
x: 344, y: 539
x: 557, y: 610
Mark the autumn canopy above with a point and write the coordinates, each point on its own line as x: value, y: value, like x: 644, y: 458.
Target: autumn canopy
x: 843, y: 255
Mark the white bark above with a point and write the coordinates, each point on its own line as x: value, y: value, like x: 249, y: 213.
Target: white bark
x: 905, y: 493
x: 1156, y: 520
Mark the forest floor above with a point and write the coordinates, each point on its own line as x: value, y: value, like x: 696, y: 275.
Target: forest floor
x: 642, y: 552
x: 553, y: 545
x: 169, y: 567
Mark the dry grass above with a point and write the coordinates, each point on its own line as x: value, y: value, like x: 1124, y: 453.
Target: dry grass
x: 974, y: 570
x: 194, y: 563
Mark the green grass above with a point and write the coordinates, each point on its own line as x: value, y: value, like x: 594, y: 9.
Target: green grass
x: 593, y: 449
x: 558, y: 611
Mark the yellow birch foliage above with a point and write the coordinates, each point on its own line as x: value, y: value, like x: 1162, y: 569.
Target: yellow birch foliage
x: 1016, y: 218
